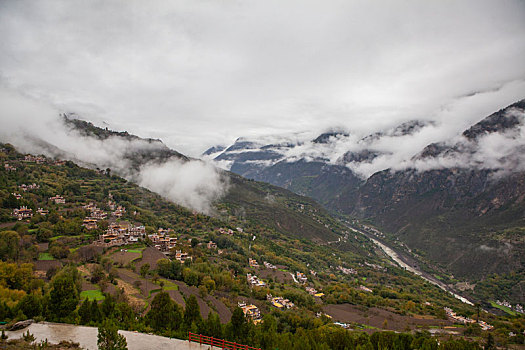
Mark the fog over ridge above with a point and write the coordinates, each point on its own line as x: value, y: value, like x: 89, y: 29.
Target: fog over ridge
x: 192, y: 183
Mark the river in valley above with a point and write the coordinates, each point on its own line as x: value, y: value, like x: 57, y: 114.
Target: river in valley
x: 403, y: 262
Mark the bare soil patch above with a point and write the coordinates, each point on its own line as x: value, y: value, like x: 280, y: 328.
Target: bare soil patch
x: 45, y: 265
x: 150, y: 255
x: 376, y: 317
x: 135, y: 299
x: 177, y: 297
x: 187, y: 291
x: 146, y: 286
x: 42, y: 247
x: 276, y: 275
x: 224, y: 312
x: 124, y: 258
x: 8, y: 224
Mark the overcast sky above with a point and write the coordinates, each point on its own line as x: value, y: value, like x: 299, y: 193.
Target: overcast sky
x: 199, y: 73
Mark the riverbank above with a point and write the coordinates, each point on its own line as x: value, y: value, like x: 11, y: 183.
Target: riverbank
x: 408, y: 264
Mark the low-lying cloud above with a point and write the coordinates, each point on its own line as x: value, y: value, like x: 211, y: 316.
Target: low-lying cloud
x: 366, y: 154
x: 34, y: 127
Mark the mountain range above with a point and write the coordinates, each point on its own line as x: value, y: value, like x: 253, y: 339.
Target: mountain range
x: 458, y: 204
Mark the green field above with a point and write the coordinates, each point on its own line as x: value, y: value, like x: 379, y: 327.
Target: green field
x: 45, y: 256
x: 95, y: 294
x: 503, y: 308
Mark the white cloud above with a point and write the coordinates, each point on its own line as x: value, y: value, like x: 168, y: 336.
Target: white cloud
x: 194, y: 184
x: 201, y: 73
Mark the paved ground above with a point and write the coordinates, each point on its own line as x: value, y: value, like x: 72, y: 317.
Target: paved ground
x: 87, y: 337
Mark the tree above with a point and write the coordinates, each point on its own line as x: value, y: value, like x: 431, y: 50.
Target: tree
x: 30, y: 305
x: 192, y: 312
x: 164, y: 314
x: 84, y: 311
x: 109, y: 338
x: 144, y: 270
x: 9, y: 245
x: 63, y: 296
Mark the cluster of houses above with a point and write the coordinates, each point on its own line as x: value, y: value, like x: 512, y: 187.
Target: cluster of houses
x: 225, y: 231
x: 34, y: 159
x: 517, y: 307
x: 8, y: 167
x: 58, y: 199
x: 251, y: 312
x: 23, y: 213
x: 120, y: 233
x: 95, y: 215
x: 26, y: 188
x: 162, y: 239
x: 255, y: 281
x: 280, y: 302
x: 466, y: 320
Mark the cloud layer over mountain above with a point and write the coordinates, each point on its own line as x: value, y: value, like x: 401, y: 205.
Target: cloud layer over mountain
x: 191, y: 183
x: 200, y: 73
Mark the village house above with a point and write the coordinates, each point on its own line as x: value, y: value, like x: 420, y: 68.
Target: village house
x: 42, y: 211
x: 365, y: 289
x: 311, y: 290
x: 90, y: 224
x: 251, y: 312
x: 17, y: 195
x: 269, y: 266
x: 23, y: 213
x: 212, y: 245
x: 119, y: 212
x: 8, y: 167
x: 59, y: 162
x: 253, y: 263
x: 280, y: 302
x: 255, y: 281
x: 301, y: 278
x: 181, y: 256
x: 225, y: 231
x: 139, y: 230
x: 58, y: 199
x: 98, y: 214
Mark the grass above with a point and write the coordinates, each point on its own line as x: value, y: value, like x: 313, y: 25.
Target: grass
x: 45, y: 256
x: 135, y: 250
x: 503, y: 308
x: 95, y: 294
x: 169, y: 285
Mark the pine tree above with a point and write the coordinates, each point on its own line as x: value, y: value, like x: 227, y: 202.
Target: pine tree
x: 85, y: 312
x: 192, y: 312
x: 109, y: 338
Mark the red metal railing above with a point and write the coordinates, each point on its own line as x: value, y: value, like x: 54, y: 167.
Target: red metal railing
x: 220, y: 343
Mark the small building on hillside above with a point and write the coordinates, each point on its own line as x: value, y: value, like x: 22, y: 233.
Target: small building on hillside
x: 251, y: 312
x: 58, y: 199
x: 23, y: 213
